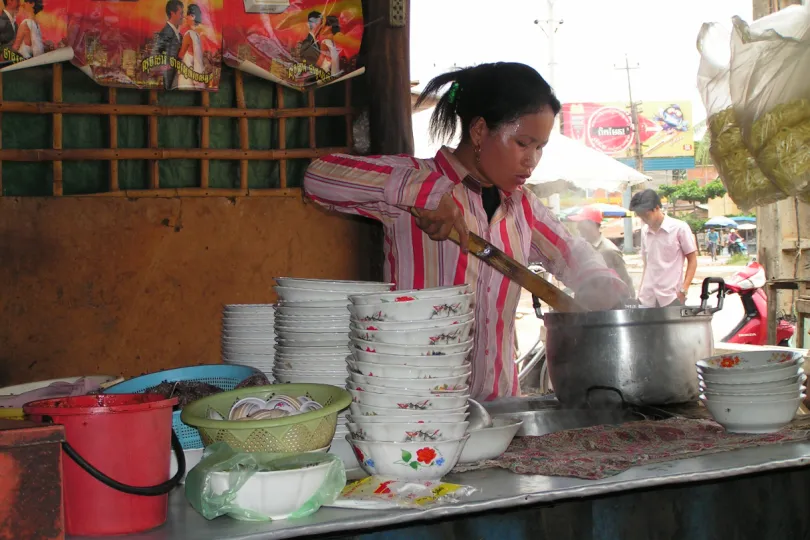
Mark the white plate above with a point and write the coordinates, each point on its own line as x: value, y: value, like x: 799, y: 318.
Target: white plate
x: 296, y: 310
x: 288, y: 294
x: 351, y: 385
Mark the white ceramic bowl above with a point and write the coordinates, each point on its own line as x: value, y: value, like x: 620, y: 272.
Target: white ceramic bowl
x: 438, y: 384
x: 289, y: 294
x: 264, y: 349
x: 351, y: 385
x: 750, y: 361
x: 354, y: 287
x: 312, y: 328
x: 433, y: 417
x: 307, y: 366
x: 745, y: 376
x: 293, y: 348
x: 412, y: 350
x: 247, y: 326
x: 287, y: 376
x: 444, y: 335
x: 251, y: 358
x: 491, y: 442
x: 431, y: 308
x: 275, y: 494
x: 409, y: 295
x: 410, y: 325
x: 263, y: 333
x: 257, y: 340
x: 193, y: 457
x: 339, y: 337
x: 409, y: 402
x: 754, y: 416
x: 407, y: 372
x: 296, y: 310
x: 755, y: 388
x: 342, y: 449
x: 760, y: 398
x: 408, y: 460
x: 358, y: 410
x: 410, y: 432
x: 447, y: 360
x: 310, y: 304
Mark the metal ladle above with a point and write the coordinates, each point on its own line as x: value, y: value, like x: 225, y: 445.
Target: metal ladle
x: 479, y: 417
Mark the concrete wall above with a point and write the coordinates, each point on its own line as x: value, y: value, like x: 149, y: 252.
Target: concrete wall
x: 116, y: 286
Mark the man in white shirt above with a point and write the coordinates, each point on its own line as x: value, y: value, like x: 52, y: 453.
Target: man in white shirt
x: 665, y: 244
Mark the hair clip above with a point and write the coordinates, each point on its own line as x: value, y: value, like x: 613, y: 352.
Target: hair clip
x: 453, y: 92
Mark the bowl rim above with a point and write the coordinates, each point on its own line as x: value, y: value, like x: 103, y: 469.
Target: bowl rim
x: 352, y: 391
x: 799, y: 398
x: 430, y: 329
x: 797, y: 358
x: 352, y: 440
x: 410, y: 303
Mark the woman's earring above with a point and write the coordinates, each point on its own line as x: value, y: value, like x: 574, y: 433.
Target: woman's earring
x: 478, y: 154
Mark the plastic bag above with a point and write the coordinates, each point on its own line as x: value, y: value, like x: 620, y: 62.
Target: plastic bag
x: 233, y: 483
x: 746, y: 184
x: 299, y: 44
x: 149, y: 44
x: 378, y: 492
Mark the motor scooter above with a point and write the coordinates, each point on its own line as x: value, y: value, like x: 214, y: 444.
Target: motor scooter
x: 738, y: 246
x: 753, y: 328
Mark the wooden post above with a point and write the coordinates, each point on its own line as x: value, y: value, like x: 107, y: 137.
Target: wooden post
x: 154, y: 165
x: 349, y: 117
x: 389, y: 81
x: 282, y: 138
x: 312, y: 125
x: 205, y: 141
x: 1, y: 136
x: 112, y: 98
x: 244, y: 141
x: 56, y: 90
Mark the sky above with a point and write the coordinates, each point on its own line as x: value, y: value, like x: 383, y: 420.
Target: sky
x: 657, y: 35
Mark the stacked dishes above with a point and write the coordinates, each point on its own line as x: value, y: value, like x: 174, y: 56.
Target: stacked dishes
x: 311, y: 327
x: 752, y: 392
x: 408, y: 375
x: 247, y: 336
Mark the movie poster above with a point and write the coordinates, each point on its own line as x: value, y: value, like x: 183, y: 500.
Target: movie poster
x: 149, y: 44
x: 33, y: 33
x: 308, y: 43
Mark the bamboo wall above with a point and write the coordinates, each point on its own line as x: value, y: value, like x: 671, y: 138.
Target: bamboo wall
x: 129, y: 218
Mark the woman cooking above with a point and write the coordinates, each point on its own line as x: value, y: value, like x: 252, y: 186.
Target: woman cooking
x: 506, y: 112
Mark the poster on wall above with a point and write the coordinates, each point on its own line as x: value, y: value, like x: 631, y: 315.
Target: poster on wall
x: 297, y: 43
x: 33, y: 33
x: 665, y: 128
x: 149, y: 44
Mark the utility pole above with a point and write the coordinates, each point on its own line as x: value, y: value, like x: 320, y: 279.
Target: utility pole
x: 549, y: 26
x: 634, y: 110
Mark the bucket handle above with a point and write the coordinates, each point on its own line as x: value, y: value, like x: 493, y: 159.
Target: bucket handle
x: 149, y: 491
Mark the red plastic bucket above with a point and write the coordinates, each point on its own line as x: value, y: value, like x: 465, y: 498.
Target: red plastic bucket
x: 119, y: 440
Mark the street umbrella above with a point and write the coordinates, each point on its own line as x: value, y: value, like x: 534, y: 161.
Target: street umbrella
x: 608, y: 210
x: 721, y: 221
x: 747, y: 226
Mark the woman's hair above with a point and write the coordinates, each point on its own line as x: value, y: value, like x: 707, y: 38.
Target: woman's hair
x: 195, y: 11
x: 499, y: 93
x: 333, y: 23
x: 37, y: 5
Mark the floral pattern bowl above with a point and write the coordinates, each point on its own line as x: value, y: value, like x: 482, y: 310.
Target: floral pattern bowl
x: 445, y: 360
x: 414, y: 310
x: 443, y: 335
x: 409, y: 402
x: 406, y: 372
x: 790, y: 383
x: 750, y: 361
x: 409, y: 325
x: 433, y: 417
x: 359, y: 410
x: 412, y: 350
x: 438, y: 384
x: 409, y: 295
x: 749, y: 377
x: 408, y: 460
x: 408, y: 432
x: 351, y: 385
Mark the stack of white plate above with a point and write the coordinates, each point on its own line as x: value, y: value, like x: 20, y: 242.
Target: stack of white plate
x: 408, y: 376
x: 753, y: 392
x: 248, y: 337
x: 312, y: 326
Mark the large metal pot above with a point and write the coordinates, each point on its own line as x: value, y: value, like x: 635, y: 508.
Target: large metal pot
x: 644, y: 356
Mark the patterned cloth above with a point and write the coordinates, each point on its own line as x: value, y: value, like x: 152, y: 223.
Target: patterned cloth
x: 602, y: 451
x: 386, y: 187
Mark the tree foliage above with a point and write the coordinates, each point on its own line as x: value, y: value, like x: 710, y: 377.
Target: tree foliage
x: 692, y: 192
x: 695, y: 223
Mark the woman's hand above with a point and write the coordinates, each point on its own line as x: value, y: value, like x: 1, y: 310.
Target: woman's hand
x: 439, y: 223
x: 601, y: 293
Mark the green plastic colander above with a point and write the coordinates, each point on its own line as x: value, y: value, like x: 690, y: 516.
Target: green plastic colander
x: 296, y: 433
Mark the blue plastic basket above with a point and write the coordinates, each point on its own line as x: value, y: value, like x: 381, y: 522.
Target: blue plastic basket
x: 222, y: 376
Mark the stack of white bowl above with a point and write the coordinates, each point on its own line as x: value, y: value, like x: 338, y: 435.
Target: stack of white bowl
x: 248, y: 337
x: 408, y: 376
x: 753, y: 391
x: 312, y: 327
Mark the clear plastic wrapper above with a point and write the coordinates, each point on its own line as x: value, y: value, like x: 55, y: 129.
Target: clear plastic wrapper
x: 378, y: 492
x: 263, y: 486
x: 745, y: 182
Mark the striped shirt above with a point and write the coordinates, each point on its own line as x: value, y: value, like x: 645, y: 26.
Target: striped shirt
x: 386, y: 187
